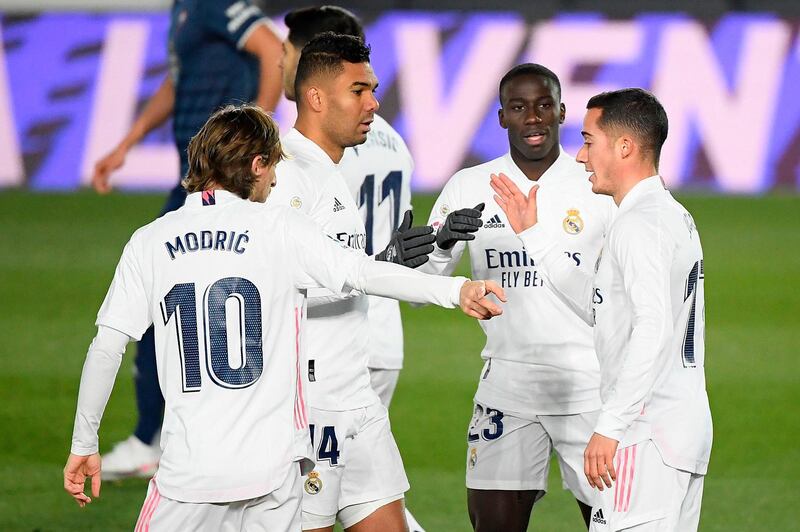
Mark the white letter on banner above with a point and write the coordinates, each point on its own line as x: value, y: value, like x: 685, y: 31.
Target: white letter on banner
x: 11, y: 171
x: 439, y: 126
x: 116, y: 93
x: 734, y: 125
x: 564, y: 46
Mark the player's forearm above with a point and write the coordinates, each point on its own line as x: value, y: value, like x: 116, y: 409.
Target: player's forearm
x: 270, y: 85
x: 97, y: 380
x: 398, y: 282
x: 266, y: 46
x: 442, y: 261
x: 568, y: 282
x: 157, y: 110
x: 635, y: 381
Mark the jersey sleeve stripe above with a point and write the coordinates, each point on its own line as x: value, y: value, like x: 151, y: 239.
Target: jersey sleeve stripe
x: 301, y: 417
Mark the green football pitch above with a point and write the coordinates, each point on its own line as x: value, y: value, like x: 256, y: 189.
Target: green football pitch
x: 57, y: 256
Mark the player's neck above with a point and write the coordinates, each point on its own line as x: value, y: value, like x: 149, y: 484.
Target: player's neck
x: 633, y: 177
x: 316, y: 135
x: 534, y: 169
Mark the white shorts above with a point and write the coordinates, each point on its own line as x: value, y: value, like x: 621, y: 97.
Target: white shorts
x: 279, y: 510
x: 384, y: 381
x: 506, y: 452
x: 357, y: 462
x: 648, y: 496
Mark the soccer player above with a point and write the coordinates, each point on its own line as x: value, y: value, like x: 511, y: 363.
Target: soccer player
x: 220, y: 279
x: 220, y: 52
x: 538, y: 390
x: 359, y: 477
x: 649, y: 452
x: 378, y: 174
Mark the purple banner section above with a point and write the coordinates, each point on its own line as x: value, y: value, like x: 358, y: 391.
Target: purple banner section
x: 71, y: 85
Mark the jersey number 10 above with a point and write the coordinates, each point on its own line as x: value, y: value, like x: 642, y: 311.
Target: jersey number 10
x: 181, y: 301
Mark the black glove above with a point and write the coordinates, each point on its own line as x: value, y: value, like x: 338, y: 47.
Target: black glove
x: 459, y: 225
x: 409, y: 246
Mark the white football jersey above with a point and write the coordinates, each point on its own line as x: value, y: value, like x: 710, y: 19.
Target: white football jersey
x: 540, y: 358
x: 337, y: 331
x: 219, y: 280
x: 646, y: 301
x: 378, y: 174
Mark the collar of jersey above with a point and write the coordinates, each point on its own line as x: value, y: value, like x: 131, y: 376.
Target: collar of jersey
x: 642, y: 188
x: 195, y: 199
x: 559, y: 167
x: 310, y: 147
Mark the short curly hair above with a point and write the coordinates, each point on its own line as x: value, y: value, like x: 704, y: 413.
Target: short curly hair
x: 222, y: 152
x: 530, y: 69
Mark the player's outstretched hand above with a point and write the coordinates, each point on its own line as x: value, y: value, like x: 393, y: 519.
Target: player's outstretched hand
x: 475, y: 301
x: 75, y: 473
x: 459, y: 225
x: 598, y: 461
x: 409, y: 246
x: 104, y: 167
x: 521, y: 210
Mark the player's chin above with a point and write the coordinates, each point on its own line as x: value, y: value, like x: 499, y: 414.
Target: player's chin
x: 597, y: 187
x: 534, y: 153
x: 356, y: 140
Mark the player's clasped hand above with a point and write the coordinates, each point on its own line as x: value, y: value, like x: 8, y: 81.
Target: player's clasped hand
x: 475, y: 301
x: 598, y: 461
x: 459, y: 225
x: 409, y: 246
x: 521, y: 210
x: 75, y: 473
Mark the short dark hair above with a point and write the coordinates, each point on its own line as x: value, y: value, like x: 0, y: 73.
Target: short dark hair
x: 221, y: 153
x: 325, y: 53
x: 529, y: 69
x: 636, y: 111
x: 306, y: 23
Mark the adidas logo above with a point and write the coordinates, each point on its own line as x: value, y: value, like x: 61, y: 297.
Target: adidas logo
x: 337, y: 205
x: 598, y: 517
x: 494, y: 222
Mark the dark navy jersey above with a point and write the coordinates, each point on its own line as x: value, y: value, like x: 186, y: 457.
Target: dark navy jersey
x: 208, y: 66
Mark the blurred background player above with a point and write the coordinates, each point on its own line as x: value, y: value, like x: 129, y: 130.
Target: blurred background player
x: 234, y: 432
x: 220, y: 52
x: 378, y: 174
x: 359, y: 478
x: 649, y: 452
x: 538, y: 390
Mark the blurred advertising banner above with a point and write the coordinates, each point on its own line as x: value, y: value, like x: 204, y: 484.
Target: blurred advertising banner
x: 71, y: 84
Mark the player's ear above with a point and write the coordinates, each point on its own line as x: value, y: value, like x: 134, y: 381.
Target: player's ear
x: 625, y: 146
x: 258, y: 166
x: 501, y: 117
x: 563, y: 115
x: 314, y: 98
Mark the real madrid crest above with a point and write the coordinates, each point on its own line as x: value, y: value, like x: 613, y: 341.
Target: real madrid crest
x: 296, y: 202
x: 473, y: 457
x: 573, y: 223
x: 444, y: 210
x: 313, y: 483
